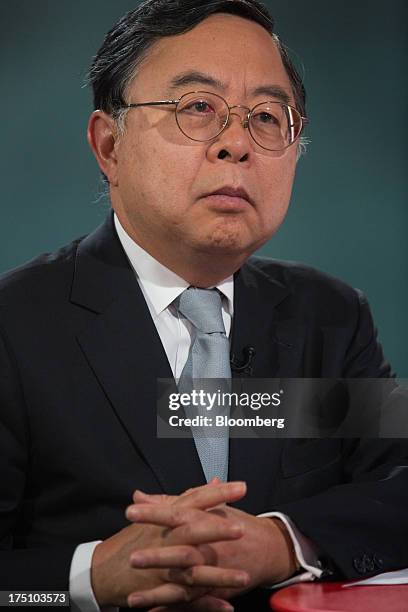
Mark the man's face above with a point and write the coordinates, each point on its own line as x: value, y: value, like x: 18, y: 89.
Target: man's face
x: 161, y: 180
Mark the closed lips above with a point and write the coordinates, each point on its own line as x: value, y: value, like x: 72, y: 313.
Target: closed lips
x: 231, y: 192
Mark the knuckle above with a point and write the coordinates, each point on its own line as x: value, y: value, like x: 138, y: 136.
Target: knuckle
x: 177, y: 515
x: 208, y: 554
x: 187, y: 531
x: 181, y: 577
x: 189, y: 577
x: 188, y: 556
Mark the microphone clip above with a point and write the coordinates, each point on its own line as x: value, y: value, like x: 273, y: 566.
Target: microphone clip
x: 243, y: 367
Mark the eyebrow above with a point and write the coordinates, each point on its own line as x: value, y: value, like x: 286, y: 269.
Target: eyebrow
x: 194, y: 77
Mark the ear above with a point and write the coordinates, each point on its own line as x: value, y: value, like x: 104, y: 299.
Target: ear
x: 102, y: 135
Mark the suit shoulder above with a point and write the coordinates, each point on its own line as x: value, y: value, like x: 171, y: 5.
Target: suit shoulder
x: 304, y: 281
x: 37, y: 278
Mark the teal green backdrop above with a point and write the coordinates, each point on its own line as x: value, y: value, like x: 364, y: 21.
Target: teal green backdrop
x: 349, y: 213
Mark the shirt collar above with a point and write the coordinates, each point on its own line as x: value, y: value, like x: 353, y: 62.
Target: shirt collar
x: 160, y: 284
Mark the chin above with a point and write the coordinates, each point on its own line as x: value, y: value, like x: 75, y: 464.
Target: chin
x: 229, y: 240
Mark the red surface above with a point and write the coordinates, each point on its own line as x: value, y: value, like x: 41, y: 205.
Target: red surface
x: 332, y: 597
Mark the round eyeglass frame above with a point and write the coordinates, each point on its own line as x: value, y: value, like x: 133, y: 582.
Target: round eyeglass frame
x: 245, y: 122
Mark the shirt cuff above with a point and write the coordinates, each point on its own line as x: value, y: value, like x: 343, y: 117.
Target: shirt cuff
x: 80, y: 588
x: 306, y: 552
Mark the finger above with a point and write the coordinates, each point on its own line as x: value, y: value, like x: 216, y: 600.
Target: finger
x: 164, y: 594
x: 210, y: 604
x: 198, y: 496
x: 146, y: 498
x: 162, y: 497
x: 208, y: 576
x: 161, y: 514
x: 205, y: 531
x: 202, y: 498
x: 213, y: 481
x: 186, y: 526
x: 212, y: 494
x: 207, y: 603
x: 168, y: 556
x: 159, y: 498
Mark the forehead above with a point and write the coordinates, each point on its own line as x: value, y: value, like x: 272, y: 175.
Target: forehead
x: 237, y: 52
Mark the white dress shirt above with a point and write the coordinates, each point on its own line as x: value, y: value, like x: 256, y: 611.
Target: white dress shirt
x: 160, y: 287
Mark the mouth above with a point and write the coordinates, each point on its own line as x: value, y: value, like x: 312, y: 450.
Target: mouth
x: 229, y: 198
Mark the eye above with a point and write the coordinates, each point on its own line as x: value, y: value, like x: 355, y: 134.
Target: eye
x: 266, y: 118
x: 200, y: 107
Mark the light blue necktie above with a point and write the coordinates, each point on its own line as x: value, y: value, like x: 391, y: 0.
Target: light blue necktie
x: 208, y: 358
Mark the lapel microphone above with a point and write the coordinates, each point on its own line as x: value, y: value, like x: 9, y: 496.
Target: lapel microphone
x: 245, y: 365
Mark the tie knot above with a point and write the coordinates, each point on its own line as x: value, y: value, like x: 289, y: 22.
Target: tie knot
x: 203, y: 308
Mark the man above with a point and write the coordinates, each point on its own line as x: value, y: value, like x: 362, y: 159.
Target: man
x: 197, y: 183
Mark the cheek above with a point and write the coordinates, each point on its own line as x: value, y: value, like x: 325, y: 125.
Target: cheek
x: 157, y: 180
x: 276, y: 187
x: 160, y: 167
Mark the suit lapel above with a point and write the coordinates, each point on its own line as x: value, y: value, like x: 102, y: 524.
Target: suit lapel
x: 125, y: 353
x: 262, y: 320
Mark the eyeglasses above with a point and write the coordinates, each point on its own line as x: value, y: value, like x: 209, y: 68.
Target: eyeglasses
x: 202, y: 116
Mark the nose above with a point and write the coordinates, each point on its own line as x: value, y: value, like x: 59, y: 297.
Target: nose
x: 242, y: 112
x: 234, y: 142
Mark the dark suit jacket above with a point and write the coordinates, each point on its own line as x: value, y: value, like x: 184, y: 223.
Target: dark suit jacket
x: 79, y: 360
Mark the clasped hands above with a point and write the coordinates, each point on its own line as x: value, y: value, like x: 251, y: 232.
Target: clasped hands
x: 190, y: 552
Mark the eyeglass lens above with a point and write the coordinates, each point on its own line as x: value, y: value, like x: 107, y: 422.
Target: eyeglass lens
x: 202, y: 116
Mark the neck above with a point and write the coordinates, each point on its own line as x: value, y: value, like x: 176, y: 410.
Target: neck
x: 205, y: 269
x: 200, y: 268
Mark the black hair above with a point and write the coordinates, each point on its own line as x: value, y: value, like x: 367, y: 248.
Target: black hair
x: 128, y: 42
